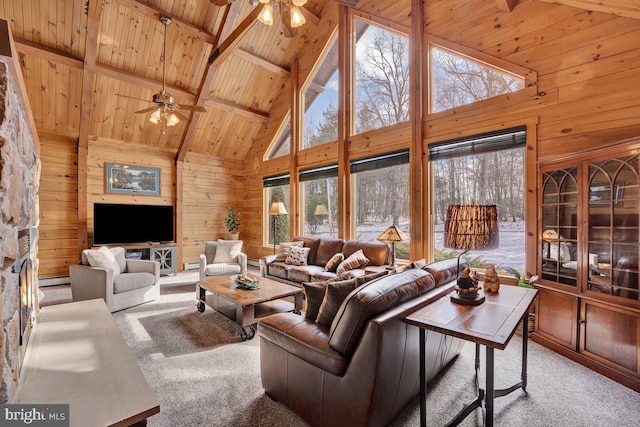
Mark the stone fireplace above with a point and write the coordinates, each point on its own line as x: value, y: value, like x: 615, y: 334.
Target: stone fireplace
x: 19, y: 183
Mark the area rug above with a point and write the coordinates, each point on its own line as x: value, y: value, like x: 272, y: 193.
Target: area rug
x: 204, y: 375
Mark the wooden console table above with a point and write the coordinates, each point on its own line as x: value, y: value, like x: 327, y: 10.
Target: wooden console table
x: 78, y: 357
x: 491, y: 324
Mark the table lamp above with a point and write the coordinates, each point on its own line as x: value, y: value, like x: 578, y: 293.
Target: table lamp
x: 470, y: 227
x: 392, y: 235
x: 276, y: 209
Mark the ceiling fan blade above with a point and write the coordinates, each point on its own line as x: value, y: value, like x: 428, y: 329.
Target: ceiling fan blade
x: 285, y: 15
x: 133, y: 97
x: 180, y: 115
x: 193, y: 108
x: 221, y: 2
x: 146, y: 110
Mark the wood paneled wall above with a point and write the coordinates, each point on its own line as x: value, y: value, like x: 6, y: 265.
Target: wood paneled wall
x: 588, y: 91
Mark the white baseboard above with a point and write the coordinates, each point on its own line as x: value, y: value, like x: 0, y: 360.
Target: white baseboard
x: 191, y: 266
x: 53, y: 281
x: 253, y: 262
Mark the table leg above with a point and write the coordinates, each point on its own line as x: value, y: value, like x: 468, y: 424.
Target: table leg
x: 488, y: 403
x: 298, y: 302
x: 525, y: 339
x: 423, y: 380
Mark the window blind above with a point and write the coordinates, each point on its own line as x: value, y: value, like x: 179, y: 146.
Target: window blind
x: 480, y: 143
x: 276, y: 180
x: 380, y: 161
x: 329, y: 171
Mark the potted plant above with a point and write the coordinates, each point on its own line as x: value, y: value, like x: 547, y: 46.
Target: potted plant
x: 232, y: 221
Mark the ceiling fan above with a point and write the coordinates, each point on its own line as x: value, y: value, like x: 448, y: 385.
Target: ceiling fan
x: 166, y: 111
x: 292, y: 13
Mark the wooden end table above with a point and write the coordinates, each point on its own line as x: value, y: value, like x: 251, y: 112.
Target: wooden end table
x: 491, y: 324
x: 245, y: 306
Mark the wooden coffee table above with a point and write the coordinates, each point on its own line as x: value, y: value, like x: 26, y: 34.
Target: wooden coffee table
x: 245, y: 306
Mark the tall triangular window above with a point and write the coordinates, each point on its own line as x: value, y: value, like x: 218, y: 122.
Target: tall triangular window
x: 320, y: 101
x: 459, y: 80
x: 281, y: 145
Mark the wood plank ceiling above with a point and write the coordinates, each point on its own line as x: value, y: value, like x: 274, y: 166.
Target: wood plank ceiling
x: 125, y: 58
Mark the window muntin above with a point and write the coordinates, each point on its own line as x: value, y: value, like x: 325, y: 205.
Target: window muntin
x: 488, y: 176
x: 459, y: 80
x: 319, y: 201
x: 381, y: 77
x: 320, y: 101
x: 381, y: 197
x: 276, y: 189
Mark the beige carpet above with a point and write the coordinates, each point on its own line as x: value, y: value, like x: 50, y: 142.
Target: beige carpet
x: 204, y: 375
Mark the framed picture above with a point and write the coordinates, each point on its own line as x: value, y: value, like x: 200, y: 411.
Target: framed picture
x: 601, y: 194
x: 124, y: 179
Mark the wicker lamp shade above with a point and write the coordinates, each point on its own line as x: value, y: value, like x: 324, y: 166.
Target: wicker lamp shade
x: 471, y: 227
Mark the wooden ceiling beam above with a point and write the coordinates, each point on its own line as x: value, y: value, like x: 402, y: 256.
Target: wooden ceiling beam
x: 223, y: 51
x: 506, y: 5
x: 180, y: 24
x: 626, y: 8
x: 348, y: 3
x: 310, y: 16
x: 230, y: 106
x: 261, y: 62
x: 50, y: 54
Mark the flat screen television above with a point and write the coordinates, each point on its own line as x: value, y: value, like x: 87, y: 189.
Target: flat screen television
x: 121, y: 223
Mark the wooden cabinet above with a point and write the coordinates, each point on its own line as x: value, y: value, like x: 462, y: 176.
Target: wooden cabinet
x: 588, y: 307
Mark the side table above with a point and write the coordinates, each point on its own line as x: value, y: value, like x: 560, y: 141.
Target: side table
x: 491, y: 324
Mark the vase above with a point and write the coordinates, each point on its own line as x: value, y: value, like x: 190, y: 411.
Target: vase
x: 233, y: 236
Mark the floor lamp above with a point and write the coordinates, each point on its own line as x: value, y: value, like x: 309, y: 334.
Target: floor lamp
x: 276, y: 209
x: 470, y: 227
x: 392, y: 235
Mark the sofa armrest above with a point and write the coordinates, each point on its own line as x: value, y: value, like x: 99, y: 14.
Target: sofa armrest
x: 202, y: 265
x: 144, y: 266
x: 264, y: 262
x: 242, y: 260
x: 90, y: 283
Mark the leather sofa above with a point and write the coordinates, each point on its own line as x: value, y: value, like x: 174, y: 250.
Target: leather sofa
x: 364, y: 369
x: 321, y: 251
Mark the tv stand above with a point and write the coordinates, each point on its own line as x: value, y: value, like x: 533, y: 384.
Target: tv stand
x: 163, y: 253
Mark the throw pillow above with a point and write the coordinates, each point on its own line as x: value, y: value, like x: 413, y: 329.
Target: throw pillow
x: 369, y: 277
x: 314, y: 294
x: 334, y: 262
x: 119, y: 255
x: 227, y: 251
x: 334, y: 295
x: 297, y: 256
x: 355, y: 260
x: 103, y: 258
x: 284, y: 248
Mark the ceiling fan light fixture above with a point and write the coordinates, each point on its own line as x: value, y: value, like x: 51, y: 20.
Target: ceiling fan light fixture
x: 155, y: 117
x: 172, y: 119
x: 299, y: 3
x: 266, y: 16
x: 297, y: 18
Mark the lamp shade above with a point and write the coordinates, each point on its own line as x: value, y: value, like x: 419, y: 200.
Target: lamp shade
x: 277, y: 208
x: 471, y: 227
x: 393, y: 234
x: 551, y: 236
x: 321, y: 210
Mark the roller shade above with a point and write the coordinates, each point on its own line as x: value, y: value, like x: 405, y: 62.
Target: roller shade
x: 380, y: 161
x: 329, y: 171
x: 480, y: 143
x: 275, y: 181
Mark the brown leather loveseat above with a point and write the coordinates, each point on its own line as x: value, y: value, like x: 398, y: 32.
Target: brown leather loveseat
x: 364, y: 369
x: 321, y: 251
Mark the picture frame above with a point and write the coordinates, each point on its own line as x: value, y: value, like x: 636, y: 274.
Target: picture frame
x: 599, y: 194
x: 131, y: 179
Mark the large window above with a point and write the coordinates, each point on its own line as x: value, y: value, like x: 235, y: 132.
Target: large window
x: 281, y: 145
x: 276, y: 189
x: 458, y: 80
x: 320, y: 100
x: 381, y: 196
x: 489, y: 169
x: 381, y: 77
x: 319, y: 202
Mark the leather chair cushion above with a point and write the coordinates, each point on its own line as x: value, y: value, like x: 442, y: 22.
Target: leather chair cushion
x: 313, y: 295
x: 131, y: 281
x: 304, y: 338
x: 311, y: 243
x: 377, y: 252
x: 279, y: 269
x: 222, y: 268
x: 303, y: 273
x: 372, y: 299
x: 323, y: 276
x: 446, y: 270
x: 327, y: 248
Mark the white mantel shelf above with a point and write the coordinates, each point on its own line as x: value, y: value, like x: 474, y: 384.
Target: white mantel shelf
x: 79, y: 357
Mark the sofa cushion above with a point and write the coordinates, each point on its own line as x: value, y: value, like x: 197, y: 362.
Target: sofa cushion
x: 378, y: 253
x: 446, y: 270
x: 355, y: 260
x: 372, y: 299
x: 334, y: 262
x: 227, y: 251
x: 304, y: 338
x: 132, y: 281
x: 313, y: 296
x: 297, y: 256
x: 278, y: 269
x: 312, y: 243
x: 303, y: 273
x: 222, y: 268
x: 335, y: 293
x: 327, y: 248
x: 284, y: 248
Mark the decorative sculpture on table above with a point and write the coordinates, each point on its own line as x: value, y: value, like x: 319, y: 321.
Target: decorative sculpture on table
x: 467, y: 286
x: 491, y: 280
